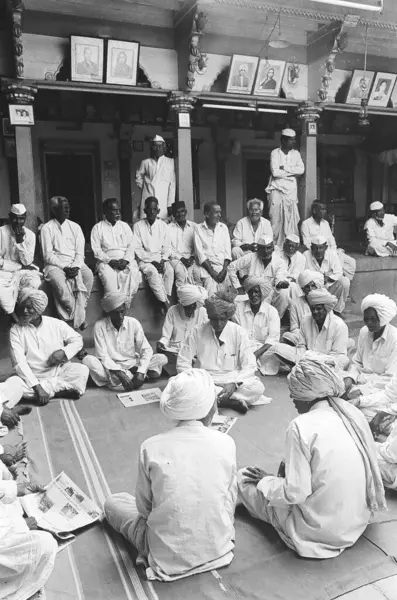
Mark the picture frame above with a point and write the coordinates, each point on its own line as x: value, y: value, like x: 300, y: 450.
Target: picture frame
x: 360, y: 86
x: 393, y: 96
x: 21, y: 115
x: 382, y: 89
x: 242, y: 74
x: 311, y: 128
x: 269, y: 77
x: 122, y: 61
x: 7, y: 129
x: 86, y: 58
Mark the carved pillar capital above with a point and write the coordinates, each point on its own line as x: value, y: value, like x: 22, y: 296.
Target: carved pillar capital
x: 181, y: 103
x: 16, y: 12
x: 309, y: 112
x: 17, y: 93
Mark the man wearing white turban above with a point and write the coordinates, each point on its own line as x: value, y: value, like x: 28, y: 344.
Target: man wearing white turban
x: 299, y: 307
x: 250, y: 229
x: 380, y: 232
x: 294, y: 263
x: 41, y: 351
x: 330, y: 485
x: 123, y: 356
x: 224, y: 350
x: 261, y: 322
x: 181, y: 519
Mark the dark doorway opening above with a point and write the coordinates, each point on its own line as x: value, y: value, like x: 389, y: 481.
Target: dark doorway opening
x: 257, y: 173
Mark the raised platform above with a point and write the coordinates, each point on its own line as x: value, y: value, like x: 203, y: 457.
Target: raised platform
x: 373, y: 275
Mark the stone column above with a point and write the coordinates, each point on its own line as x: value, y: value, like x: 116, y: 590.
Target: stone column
x: 183, y: 104
x: 309, y: 113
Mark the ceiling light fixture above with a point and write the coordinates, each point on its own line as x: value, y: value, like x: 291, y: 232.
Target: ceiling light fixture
x: 282, y: 111
x: 373, y: 5
x: 278, y: 42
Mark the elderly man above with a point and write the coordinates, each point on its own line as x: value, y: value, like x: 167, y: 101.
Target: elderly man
x: 156, y: 178
x: 321, y: 332
x: 330, y: 457
x: 27, y: 557
x: 41, y: 351
x: 182, y: 517
x: 267, y: 264
x: 224, y: 350
x: 123, y: 356
x: 113, y: 247
x: 17, y: 247
x: 213, y: 249
x: 294, y: 263
x: 299, y: 307
x: 323, y: 259
x: 285, y: 165
x: 317, y: 225
x: 153, y: 248
x: 62, y: 242
x: 182, y: 257
x: 250, y: 229
x: 261, y: 322
x: 380, y: 232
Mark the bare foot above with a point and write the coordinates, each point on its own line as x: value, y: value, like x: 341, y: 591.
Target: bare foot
x: 22, y: 409
x: 68, y: 394
x: 14, y: 453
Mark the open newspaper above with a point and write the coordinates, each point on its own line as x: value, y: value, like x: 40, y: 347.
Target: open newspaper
x: 62, y: 508
x: 140, y: 397
x: 223, y: 423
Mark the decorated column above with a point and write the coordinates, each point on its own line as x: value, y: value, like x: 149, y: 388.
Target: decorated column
x: 183, y: 104
x: 309, y: 113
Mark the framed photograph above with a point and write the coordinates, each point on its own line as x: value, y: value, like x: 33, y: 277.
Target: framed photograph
x: 7, y: 129
x: 393, y: 97
x: 21, y: 114
x: 382, y: 89
x: 86, y: 58
x: 122, y: 62
x: 242, y: 74
x: 269, y: 77
x: 359, y: 86
x: 312, y: 128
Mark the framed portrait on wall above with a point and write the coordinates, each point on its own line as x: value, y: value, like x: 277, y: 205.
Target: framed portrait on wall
x: 122, y: 62
x: 21, y: 114
x: 269, y: 77
x: 359, y: 86
x: 86, y: 58
x: 382, y: 89
x: 242, y: 74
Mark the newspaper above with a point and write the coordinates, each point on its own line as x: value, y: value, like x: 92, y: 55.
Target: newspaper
x: 140, y: 397
x: 62, y: 508
x: 223, y: 423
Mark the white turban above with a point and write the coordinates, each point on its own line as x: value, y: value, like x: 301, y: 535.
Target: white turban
x: 112, y: 301
x: 376, y: 206
x: 288, y: 133
x: 312, y: 378
x: 385, y: 307
x: 222, y: 303
x: 18, y: 209
x: 265, y: 240
x: 264, y: 283
x: 188, y: 396
x: 322, y: 296
x: 293, y: 238
x: 38, y: 298
x: 308, y: 276
x: 319, y: 240
x: 189, y: 294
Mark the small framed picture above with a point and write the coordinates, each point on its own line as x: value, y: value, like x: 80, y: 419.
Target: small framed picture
x: 21, y: 114
x: 269, y: 77
x: 183, y: 119
x: 242, y: 74
x: 122, y: 59
x: 312, y: 128
x: 86, y: 58
x: 137, y: 145
x: 382, y: 89
x: 359, y: 86
x: 7, y: 129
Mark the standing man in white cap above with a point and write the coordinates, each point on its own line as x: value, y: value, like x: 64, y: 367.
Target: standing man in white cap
x: 17, y: 248
x: 286, y: 165
x: 156, y: 177
x: 380, y: 232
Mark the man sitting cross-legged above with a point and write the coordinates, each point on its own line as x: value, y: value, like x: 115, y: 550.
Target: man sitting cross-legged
x: 182, y: 257
x: 261, y: 321
x: 123, y: 356
x: 330, y: 484
x: 41, y: 350
x: 11, y: 392
x: 294, y: 264
x: 113, y: 247
x: 380, y: 231
x: 249, y: 229
x: 181, y: 519
x: 299, y: 307
x: 224, y: 350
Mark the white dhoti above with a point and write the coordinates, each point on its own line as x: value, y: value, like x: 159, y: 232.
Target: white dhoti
x: 126, y: 281
x: 11, y: 391
x: 282, y: 298
x: 161, y: 285
x: 9, y: 286
x: 348, y: 264
x: 283, y: 215
x: 250, y: 390
x: 122, y: 515
x: 102, y: 376
x: 184, y: 275
x: 378, y: 248
x: 70, y: 295
x: 291, y: 354
x: 340, y: 289
x: 70, y: 376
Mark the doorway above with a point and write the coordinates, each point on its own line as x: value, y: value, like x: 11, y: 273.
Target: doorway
x: 257, y: 173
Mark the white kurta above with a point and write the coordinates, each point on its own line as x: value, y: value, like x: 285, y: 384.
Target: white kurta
x: 185, y: 495
x: 252, y: 265
x: 331, y: 266
x: 182, y: 246
x: 244, y: 233
x: 378, y: 235
x: 157, y: 178
x: 309, y: 507
x: 213, y: 246
x: 377, y: 357
x: 177, y: 326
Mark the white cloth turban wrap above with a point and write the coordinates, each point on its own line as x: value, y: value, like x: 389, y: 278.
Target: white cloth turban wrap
x: 38, y: 299
x: 322, y: 296
x: 112, y: 301
x: 222, y: 303
x: 264, y: 284
x: 385, y: 307
x: 311, y: 379
x: 188, y: 396
x: 189, y: 294
x: 308, y: 276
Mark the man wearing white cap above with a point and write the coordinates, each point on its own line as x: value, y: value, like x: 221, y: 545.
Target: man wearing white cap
x: 17, y: 248
x: 249, y: 229
x: 294, y: 263
x: 123, y: 356
x: 380, y: 232
x: 156, y: 177
x: 286, y: 165
x: 181, y: 519
x: 326, y: 261
x: 299, y: 307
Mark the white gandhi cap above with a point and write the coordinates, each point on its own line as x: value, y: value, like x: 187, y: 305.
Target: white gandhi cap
x: 158, y: 138
x: 376, y: 206
x: 293, y: 238
x: 18, y: 209
x: 288, y: 133
x: 265, y: 240
x: 319, y: 240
